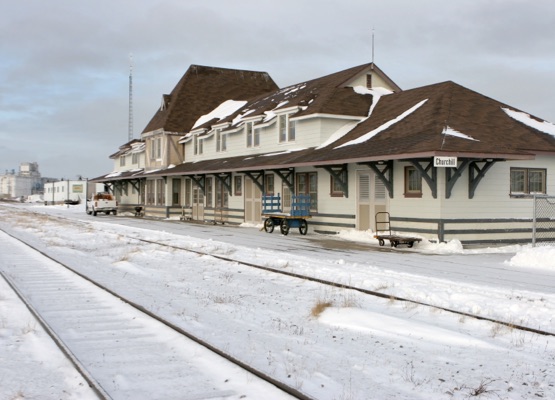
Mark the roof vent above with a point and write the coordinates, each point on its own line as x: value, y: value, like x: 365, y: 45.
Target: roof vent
x: 369, y: 81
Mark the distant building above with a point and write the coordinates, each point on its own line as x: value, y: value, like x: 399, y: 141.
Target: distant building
x: 70, y: 191
x: 26, y: 182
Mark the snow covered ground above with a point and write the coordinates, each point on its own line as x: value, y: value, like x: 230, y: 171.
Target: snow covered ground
x: 329, y: 343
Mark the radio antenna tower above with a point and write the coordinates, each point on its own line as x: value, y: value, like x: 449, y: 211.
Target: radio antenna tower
x: 372, y: 48
x: 130, y: 123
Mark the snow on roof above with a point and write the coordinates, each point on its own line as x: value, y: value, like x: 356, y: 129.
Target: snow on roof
x: 224, y: 110
x: 542, y: 126
x: 338, y: 134
x: 383, y: 127
x: 376, y: 93
x: 453, y: 132
x: 282, y: 152
x: 238, y: 119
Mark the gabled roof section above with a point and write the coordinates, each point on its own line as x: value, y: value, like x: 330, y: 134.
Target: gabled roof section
x: 201, y: 90
x: 131, y: 146
x: 331, y: 94
x: 440, y: 118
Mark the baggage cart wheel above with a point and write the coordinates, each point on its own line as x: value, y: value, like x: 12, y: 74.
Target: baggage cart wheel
x: 284, y: 227
x: 381, y: 242
x: 269, y: 225
x: 409, y: 244
x: 303, y: 227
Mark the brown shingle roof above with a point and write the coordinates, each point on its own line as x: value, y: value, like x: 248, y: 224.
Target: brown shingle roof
x: 421, y: 133
x: 201, y: 90
x: 448, y: 105
x: 325, y: 95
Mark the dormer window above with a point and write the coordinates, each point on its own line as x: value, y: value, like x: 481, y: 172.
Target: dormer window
x: 252, y: 135
x: 165, y: 102
x: 369, y: 81
x: 221, y: 141
x: 286, y: 129
x: 198, y: 145
x: 122, y: 161
x: 156, y: 148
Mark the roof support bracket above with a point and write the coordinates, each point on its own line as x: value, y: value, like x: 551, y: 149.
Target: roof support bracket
x: 475, y: 175
x: 384, y: 172
x: 200, y: 181
x: 123, y: 187
x: 431, y: 180
x: 287, y: 176
x: 225, y: 179
x: 109, y: 187
x: 340, y: 176
x: 135, y: 183
x: 257, y: 177
x: 453, y: 174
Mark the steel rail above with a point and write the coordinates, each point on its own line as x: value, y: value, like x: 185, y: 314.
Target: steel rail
x: 102, y: 393
x: 93, y: 383
x: 355, y: 288
x: 341, y: 285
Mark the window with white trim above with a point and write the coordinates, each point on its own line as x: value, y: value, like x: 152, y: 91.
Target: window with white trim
x: 287, y: 129
x: 252, y: 135
x: 526, y: 181
x: 198, y: 145
x: 221, y: 141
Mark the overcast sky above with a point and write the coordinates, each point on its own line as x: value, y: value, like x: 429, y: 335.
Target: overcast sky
x: 64, y: 64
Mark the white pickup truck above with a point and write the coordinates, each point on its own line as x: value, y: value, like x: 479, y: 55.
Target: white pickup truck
x: 102, y: 202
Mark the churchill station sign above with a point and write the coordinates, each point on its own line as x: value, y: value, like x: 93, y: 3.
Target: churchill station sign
x: 445, y: 161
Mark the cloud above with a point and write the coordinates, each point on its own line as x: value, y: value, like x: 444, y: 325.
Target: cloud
x: 64, y: 65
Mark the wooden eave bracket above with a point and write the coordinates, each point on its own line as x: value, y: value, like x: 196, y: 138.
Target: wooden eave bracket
x: 384, y: 172
x: 110, y: 187
x: 200, y: 181
x: 453, y: 174
x: 431, y: 180
x: 475, y: 175
x: 339, y: 173
x: 225, y: 180
x: 287, y: 176
x: 257, y: 177
x: 136, y: 184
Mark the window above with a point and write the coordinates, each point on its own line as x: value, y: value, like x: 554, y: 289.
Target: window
x: 176, y: 192
x: 528, y: 181
x: 208, y: 189
x: 269, y: 185
x: 238, y: 185
x: 253, y: 135
x: 122, y: 161
x: 156, y: 148
x: 249, y: 134
x: 221, y: 141
x: 307, y: 183
x: 413, y: 182
x: 198, y: 145
x: 335, y: 185
x: 256, y: 137
x: 286, y: 129
x: 188, y: 191
x: 135, y: 158
x: 149, y: 193
x: 160, y: 192
x: 222, y: 195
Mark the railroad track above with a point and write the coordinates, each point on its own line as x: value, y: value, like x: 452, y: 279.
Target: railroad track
x: 121, y: 349
x: 383, y: 295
